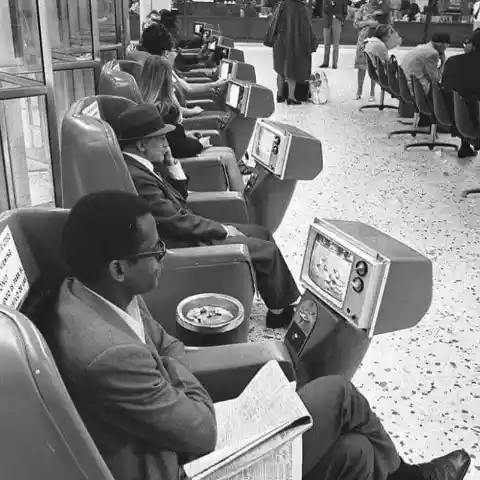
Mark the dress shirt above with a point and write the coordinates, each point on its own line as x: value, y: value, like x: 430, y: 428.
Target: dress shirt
x: 175, y: 170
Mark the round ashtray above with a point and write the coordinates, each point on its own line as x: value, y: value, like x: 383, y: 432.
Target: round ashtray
x: 210, y: 313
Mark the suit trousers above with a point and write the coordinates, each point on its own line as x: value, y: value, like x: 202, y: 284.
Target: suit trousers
x: 331, y: 36
x: 347, y: 440
x: 275, y: 283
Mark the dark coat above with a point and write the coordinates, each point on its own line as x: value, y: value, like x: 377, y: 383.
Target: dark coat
x: 145, y: 411
x: 294, y: 41
x: 334, y: 8
x: 177, y: 225
x: 462, y: 73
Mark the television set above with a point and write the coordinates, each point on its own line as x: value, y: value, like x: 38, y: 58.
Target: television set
x: 212, y: 46
x: 207, y: 33
x: 284, y: 150
x: 236, y: 96
x: 345, y: 273
x: 225, y: 70
x: 198, y: 28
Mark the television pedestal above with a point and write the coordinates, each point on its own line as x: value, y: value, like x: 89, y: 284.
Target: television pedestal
x: 268, y: 198
x: 321, y: 342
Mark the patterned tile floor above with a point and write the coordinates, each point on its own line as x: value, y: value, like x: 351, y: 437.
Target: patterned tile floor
x: 425, y: 382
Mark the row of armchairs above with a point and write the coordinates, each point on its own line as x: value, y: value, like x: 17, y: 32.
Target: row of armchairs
x: 392, y: 80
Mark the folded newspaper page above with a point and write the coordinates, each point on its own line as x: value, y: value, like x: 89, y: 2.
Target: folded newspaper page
x: 256, y: 430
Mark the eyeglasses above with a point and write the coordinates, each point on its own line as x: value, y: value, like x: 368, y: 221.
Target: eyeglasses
x: 158, y: 253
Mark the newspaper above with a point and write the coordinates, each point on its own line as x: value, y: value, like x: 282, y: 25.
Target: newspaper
x: 259, y: 432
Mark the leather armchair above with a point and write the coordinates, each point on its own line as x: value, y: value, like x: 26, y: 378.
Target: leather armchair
x: 206, y: 173
x: 98, y: 164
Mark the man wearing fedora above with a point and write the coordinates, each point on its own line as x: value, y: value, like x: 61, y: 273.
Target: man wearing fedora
x: 160, y: 179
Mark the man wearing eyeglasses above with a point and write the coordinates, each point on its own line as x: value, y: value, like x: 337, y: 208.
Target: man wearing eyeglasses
x: 145, y: 410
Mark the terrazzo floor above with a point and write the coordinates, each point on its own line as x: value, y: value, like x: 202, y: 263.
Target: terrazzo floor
x: 424, y: 382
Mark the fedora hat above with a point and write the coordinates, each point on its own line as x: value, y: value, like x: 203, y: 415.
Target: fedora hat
x: 141, y: 121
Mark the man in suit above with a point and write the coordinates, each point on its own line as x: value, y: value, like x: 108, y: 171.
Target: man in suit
x: 160, y: 179
x: 146, y: 412
x: 334, y: 14
x: 425, y: 62
x: 462, y: 74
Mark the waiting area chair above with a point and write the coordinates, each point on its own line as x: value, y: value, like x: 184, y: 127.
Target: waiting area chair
x: 393, y: 76
x: 372, y: 72
x: 425, y: 106
x: 467, y: 128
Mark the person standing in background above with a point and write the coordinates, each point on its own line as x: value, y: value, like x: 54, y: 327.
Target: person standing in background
x: 334, y: 14
x: 476, y: 15
x: 291, y: 36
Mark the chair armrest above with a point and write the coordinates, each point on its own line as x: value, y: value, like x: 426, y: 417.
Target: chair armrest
x: 224, y: 207
x: 205, y: 103
x: 226, y: 370
x: 199, y: 79
x: 190, y: 271
x: 215, y: 136
x: 204, y: 122
x: 205, y: 174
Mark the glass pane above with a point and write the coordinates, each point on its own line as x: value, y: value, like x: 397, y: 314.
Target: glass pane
x: 110, y: 32
x: 20, y: 52
x: 26, y: 152
x: 70, y: 30
x: 70, y: 86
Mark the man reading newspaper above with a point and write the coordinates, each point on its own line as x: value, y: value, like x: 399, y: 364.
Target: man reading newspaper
x: 149, y: 416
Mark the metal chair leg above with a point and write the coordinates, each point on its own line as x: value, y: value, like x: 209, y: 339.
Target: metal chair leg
x: 470, y: 191
x: 412, y: 131
x: 379, y: 106
x: 432, y: 143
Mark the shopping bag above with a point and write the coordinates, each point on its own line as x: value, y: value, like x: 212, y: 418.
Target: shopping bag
x: 319, y: 88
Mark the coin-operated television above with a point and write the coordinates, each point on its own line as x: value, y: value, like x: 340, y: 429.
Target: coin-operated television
x: 359, y: 282
x: 198, y: 28
x: 286, y: 151
x: 249, y: 99
x: 207, y: 33
x: 233, y: 70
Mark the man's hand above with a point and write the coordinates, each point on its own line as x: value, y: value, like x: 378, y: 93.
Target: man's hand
x: 233, y: 231
x: 168, y: 159
x: 205, y: 141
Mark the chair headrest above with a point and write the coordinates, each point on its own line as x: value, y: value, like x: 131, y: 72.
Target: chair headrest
x: 132, y: 67
x: 91, y: 157
x: 120, y: 84
x: 30, y: 253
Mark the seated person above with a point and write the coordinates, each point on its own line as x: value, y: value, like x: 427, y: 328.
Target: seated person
x: 146, y: 412
x: 425, y: 62
x: 157, y: 88
x: 462, y: 74
x: 375, y: 45
x: 156, y: 73
x: 160, y: 180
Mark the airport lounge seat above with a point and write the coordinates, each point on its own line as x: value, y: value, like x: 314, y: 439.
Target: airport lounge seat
x: 45, y: 437
x: 92, y: 161
x: 206, y: 174
x: 121, y: 84
x: 372, y: 72
x: 466, y: 127
x: 425, y: 106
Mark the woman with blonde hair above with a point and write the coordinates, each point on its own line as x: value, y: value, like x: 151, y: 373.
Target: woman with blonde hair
x: 156, y: 86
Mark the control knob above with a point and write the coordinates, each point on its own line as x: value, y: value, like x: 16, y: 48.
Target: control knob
x: 357, y: 284
x: 361, y: 268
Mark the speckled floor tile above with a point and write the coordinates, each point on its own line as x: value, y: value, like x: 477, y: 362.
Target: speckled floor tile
x: 424, y: 382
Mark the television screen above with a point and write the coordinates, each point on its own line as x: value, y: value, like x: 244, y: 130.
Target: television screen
x: 224, y: 52
x: 207, y: 33
x: 212, y: 46
x: 225, y: 70
x: 330, y: 267
x: 263, y: 145
x: 198, y: 28
x: 233, y: 95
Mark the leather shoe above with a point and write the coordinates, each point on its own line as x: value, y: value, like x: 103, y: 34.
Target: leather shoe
x: 453, y: 466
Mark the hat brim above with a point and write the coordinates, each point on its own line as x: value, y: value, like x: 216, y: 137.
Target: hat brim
x: 163, y: 131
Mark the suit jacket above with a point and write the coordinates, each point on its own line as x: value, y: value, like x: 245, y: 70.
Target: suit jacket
x: 334, y: 8
x: 176, y: 224
x: 462, y: 73
x: 144, y: 409
x: 422, y: 62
